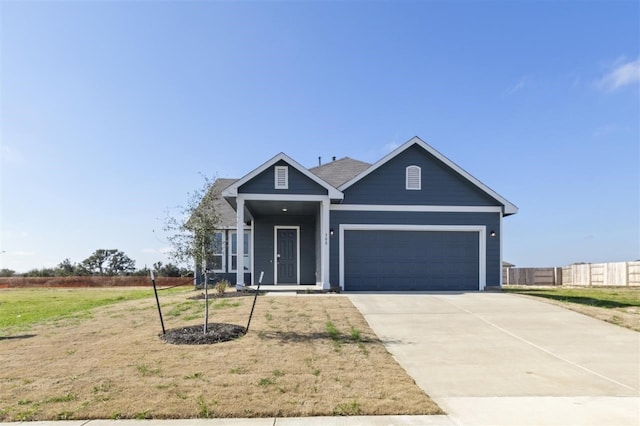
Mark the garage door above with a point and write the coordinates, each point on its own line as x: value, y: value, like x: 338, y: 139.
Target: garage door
x: 392, y: 260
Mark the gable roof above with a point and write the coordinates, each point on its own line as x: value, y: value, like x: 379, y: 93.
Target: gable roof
x: 232, y: 190
x: 339, y: 171
x: 509, y: 208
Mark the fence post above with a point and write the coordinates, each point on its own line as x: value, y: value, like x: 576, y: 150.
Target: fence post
x: 626, y: 274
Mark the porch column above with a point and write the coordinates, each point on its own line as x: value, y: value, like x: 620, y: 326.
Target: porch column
x: 326, y: 240
x: 239, y: 242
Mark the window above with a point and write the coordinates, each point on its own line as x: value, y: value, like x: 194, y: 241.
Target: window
x: 282, y: 177
x: 414, y: 178
x: 216, y: 261
x: 233, y: 253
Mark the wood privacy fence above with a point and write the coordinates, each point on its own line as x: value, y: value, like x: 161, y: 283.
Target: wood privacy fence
x: 602, y: 274
x: 619, y: 274
x: 532, y: 276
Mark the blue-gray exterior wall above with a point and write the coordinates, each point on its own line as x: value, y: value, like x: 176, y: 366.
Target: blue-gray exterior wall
x: 490, y: 220
x: 440, y: 184
x: 264, y: 246
x: 264, y: 183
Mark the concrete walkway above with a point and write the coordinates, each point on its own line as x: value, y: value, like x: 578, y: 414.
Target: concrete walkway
x: 502, y: 359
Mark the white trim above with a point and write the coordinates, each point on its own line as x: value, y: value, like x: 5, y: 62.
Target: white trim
x: 415, y: 208
x: 232, y: 190
x: 275, y: 252
x: 500, y: 250
x: 509, y: 208
x: 276, y: 174
x: 480, y: 229
x: 240, y: 243
x: 223, y: 253
x: 325, y: 241
x: 407, y: 180
x: 230, y: 251
x: 253, y: 253
x: 283, y: 197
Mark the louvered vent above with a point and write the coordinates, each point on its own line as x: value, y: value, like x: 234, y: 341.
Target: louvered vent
x: 414, y: 178
x: 282, y: 177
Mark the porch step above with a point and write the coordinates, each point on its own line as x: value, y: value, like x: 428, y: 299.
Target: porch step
x: 295, y: 289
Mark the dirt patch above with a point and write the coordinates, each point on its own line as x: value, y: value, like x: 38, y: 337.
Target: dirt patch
x: 195, y: 335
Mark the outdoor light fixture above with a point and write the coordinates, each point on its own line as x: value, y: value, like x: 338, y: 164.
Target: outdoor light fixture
x: 492, y: 233
x: 284, y: 209
x: 331, y: 231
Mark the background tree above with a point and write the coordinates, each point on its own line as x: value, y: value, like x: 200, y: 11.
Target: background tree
x: 168, y: 270
x: 42, y: 272
x: 68, y: 269
x: 5, y: 272
x: 109, y: 262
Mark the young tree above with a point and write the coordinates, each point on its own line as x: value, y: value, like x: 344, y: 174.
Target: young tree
x: 191, y: 233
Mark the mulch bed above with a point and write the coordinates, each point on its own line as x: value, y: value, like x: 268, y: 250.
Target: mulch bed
x: 194, y: 335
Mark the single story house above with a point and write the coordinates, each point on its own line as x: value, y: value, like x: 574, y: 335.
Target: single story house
x: 414, y: 220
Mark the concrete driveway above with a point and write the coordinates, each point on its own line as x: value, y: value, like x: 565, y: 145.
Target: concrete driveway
x: 503, y: 359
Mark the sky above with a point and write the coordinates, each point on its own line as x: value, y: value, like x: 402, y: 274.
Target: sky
x: 111, y: 111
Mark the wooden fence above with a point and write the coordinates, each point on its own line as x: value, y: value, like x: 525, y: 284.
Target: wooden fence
x: 619, y: 274
x: 532, y: 276
x: 625, y: 274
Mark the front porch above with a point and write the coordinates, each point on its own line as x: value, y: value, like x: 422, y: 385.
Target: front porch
x: 289, y: 240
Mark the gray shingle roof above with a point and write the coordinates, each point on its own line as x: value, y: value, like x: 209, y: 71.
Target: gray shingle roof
x: 340, y: 171
x: 222, y: 207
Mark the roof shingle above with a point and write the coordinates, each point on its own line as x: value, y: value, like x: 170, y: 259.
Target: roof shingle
x: 339, y: 171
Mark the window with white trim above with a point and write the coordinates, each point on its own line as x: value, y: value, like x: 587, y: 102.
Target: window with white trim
x: 233, y: 252
x: 282, y: 177
x: 215, y: 262
x: 414, y: 178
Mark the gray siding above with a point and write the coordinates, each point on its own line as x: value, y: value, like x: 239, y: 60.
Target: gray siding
x: 440, y: 184
x: 490, y: 220
x: 264, y: 183
x: 263, y: 241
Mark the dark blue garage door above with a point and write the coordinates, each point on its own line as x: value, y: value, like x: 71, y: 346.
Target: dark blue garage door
x: 410, y: 260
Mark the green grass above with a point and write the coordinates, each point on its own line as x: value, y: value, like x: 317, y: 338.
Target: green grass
x: 591, y: 296
x: 21, y: 308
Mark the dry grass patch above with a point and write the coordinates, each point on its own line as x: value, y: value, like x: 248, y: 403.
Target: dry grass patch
x: 303, y: 356
x: 616, y: 305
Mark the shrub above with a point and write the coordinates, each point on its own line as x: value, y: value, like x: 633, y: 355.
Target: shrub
x: 221, y: 287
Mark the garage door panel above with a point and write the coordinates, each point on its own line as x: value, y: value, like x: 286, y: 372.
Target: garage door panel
x: 384, y: 260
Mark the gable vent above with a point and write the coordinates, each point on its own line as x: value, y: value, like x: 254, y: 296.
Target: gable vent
x: 414, y: 178
x: 282, y: 177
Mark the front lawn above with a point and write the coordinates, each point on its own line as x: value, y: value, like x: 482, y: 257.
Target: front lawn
x: 617, y: 305
x: 303, y: 356
x: 19, y: 308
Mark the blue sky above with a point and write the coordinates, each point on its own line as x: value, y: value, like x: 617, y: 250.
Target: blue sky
x: 110, y: 110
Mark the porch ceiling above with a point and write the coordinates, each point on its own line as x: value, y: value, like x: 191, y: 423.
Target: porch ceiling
x: 263, y: 208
